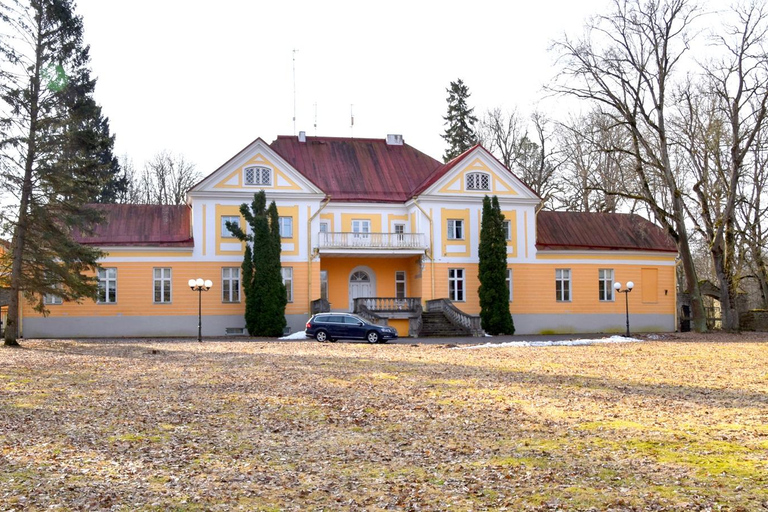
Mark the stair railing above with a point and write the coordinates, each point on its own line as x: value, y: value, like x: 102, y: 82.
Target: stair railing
x: 456, y: 316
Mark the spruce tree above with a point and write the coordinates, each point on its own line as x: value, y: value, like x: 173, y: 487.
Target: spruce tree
x: 265, y: 295
x: 55, y: 153
x: 495, y: 317
x: 460, y: 133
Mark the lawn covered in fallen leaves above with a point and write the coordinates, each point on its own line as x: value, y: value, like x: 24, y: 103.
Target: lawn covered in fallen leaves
x: 174, y: 425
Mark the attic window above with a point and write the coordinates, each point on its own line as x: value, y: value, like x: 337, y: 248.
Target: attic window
x: 258, y: 176
x: 478, y: 181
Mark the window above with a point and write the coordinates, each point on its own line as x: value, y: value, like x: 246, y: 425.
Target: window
x: 605, y: 284
x: 478, y: 181
x: 258, y: 176
x: 507, y: 230
x: 287, y: 273
x: 107, y: 286
x: 400, y: 284
x: 323, y: 227
x: 456, y: 284
x: 286, y: 227
x: 361, y: 226
x: 400, y: 232
x: 50, y: 298
x: 509, y: 283
x: 226, y: 233
x: 230, y: 284
x: 324, y: 284
x: 162, y: 285
x: 455, y: 229
x: 563, y: 284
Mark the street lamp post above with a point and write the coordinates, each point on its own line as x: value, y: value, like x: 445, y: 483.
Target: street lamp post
x: 200, y: 286
x: 626, y: 291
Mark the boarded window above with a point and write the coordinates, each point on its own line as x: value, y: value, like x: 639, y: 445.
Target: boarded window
x: 649, y: 285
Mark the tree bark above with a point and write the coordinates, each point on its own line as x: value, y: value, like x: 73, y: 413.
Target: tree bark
x: 19, y: 237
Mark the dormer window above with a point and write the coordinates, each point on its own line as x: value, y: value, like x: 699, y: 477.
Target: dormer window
x: 258, y: 176
x: 478, y: 181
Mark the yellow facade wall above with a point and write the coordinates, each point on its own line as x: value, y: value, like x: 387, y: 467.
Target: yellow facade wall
x: 463, y: 244
x: 340, y: 269
x: 135, y: 292
x: 533, y: 288
x: 347, y: 218
x: 400, y: 325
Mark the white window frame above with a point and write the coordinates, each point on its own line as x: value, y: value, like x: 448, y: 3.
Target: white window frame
x: 455, y: 229
x: 287, y: 275
x: 259, y: 176
x: 456, y: 284
x: 361, y: 228
x: 50, y: 299
x: 563, y: 288
x: 605, y: 285
x: 400, y: 232
x: 285, y: 226
x: 165, y: 280
x: 230, y: 285
x: 324, y: 226
x: 400, y: 281
x: 507, y: 230
x: 107, y: 281
x: 476, y: 180
x: 225, y: 233
x: 510, y: 284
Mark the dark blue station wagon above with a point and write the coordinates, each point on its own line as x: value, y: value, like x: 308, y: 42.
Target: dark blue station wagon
x: 337, y: 326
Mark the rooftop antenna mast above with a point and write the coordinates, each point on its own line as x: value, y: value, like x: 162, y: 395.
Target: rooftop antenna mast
x: 315, y: 119
x: 294, y: 90
x: 351, y: 122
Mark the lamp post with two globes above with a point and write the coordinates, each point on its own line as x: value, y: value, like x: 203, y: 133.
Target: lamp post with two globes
x: 200, y: 286
x: 617, y: 287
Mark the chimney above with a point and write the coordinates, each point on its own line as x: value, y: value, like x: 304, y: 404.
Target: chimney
x: 302, y: 136
x: 394, y: 140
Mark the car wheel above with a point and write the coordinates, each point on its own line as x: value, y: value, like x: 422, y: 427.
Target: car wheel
x: 372, y: 337
x: 321, y: 336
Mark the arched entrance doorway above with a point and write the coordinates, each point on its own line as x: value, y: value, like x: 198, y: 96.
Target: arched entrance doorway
x: 361, y: 284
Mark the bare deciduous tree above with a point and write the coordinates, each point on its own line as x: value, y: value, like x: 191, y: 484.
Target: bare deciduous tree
x: 164, y: 180
x: 720, y: 120
x: 625, y: 63
x: 594, y: 163
x: 533, y: 160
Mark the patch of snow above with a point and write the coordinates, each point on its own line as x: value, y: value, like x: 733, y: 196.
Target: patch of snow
x: 555, y: 343
x: 300, y: 335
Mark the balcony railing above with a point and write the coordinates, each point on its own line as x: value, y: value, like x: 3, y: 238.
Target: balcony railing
x: 391, y: 241
x: 388, y: 304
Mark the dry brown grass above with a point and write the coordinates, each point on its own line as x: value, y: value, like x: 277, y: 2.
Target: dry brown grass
x: 677, y: 424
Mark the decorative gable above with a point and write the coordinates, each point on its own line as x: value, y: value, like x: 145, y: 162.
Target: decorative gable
x: 257, y: 167
x: 479, y: 173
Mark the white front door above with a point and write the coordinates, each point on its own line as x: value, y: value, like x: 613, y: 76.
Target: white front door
x: 359, y: 286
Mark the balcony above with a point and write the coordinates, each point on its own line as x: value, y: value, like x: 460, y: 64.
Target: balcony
x: 330, y: 243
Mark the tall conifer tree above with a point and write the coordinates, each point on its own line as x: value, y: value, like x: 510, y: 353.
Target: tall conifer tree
x: 495, y: 317
x: 55, y: 152
x: 460, y: 133
x: 265, y: 295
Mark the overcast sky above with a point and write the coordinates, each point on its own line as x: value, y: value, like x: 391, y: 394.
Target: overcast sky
x: 204, y: 79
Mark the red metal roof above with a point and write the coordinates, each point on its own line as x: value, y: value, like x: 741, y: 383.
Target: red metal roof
x: 141, y: 225
x: 606, y: 231
x: 350, y: 169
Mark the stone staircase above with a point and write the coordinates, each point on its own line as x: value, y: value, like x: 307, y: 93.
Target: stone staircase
x: 434, y: 324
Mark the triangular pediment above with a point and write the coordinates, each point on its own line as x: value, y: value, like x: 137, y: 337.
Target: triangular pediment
x: 479, y: 173
x: 256, y: 167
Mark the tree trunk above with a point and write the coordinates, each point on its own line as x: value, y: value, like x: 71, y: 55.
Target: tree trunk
x: 20, y: 233
x: 699, y: 316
